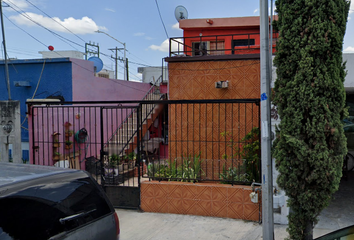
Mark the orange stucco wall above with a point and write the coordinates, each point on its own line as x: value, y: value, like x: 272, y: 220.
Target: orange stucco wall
x: 196, y: 80
x: 196, y: 129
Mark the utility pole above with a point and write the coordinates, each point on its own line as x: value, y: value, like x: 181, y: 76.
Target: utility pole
x: 92, y: 52
x: 125, y: 50
x: 5, y: 53
x: 267, y: 175
x: 116, y: 61
x: 126, y: 66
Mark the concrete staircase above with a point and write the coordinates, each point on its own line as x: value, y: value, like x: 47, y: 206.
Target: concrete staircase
x: 125, y: 139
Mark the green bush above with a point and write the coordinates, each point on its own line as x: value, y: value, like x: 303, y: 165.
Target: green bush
x: 232, y: 175
x: 188, y: 171
x: 248, y: 150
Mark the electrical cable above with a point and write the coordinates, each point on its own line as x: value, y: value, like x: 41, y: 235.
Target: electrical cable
x: 163, y: 24
x: 61, y: 55
x: 35, y: 91
x: 24, y: 14
x: 137, y: 57
x: 42, y: 42
x: 56, y: 21
x: 61, y: 37
x: 25, y: 31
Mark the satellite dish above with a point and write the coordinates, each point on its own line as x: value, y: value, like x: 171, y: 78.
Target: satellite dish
x: 181, y: 13
x: 97, y: 63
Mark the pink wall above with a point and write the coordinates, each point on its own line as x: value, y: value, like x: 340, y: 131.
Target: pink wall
x: 87, y: 87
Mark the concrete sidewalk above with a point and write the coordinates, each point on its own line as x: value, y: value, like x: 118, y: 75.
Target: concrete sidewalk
x: 160, y: 226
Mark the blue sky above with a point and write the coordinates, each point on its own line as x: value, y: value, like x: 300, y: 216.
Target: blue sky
x: 135, y: 22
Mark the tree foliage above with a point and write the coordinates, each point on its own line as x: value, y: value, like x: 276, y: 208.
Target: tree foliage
x: 310, y: 98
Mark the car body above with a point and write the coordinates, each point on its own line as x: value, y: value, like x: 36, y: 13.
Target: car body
x: 346, y: 233
x: 40, y: 202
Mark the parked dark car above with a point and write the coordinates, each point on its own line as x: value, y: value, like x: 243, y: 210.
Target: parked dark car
x: 346, y: 233
x: 39, y: 202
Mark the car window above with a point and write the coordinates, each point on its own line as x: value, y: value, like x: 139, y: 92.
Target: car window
x: 44, y: 210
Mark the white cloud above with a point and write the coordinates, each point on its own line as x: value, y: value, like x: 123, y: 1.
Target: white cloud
x: 109, y: 10
x: 148, y: 38
x: 255, y: 11
x: 349, y: 49
x: 84, y: 25
x: 351, y: 9
x: 176, y: 26
x: 164, y: 46
x: 139, y: 34
x: 17, y: 4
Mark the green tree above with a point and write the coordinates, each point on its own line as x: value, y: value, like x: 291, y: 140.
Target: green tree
x: 310, y: 98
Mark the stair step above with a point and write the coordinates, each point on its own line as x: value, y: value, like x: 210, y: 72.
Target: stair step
x: 128, y: 130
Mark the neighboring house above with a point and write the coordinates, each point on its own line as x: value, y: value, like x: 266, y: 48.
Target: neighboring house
x: 153, y: 74
x: 65, y: 79
x: 215, y: 59
x: 213, y: 52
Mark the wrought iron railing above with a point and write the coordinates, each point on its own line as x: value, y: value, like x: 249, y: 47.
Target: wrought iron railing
x: 189, y: 140
x: 207, y: 140
x: 209, y: 45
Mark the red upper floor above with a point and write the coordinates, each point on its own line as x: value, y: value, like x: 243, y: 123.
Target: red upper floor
x: 219, y: 36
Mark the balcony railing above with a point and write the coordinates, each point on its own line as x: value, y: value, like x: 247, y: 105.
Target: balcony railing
x: 217, y: 45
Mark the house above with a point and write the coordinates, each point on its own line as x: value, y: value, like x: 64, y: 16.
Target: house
x: 220, y: 59
x: 153, y: 74
x: 216, y: 59
x: 61, y: 79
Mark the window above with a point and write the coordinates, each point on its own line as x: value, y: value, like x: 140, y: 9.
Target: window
x: 208, y: 48
x: 217, y: 48
x: 200, y: 48
x: 243, y: 42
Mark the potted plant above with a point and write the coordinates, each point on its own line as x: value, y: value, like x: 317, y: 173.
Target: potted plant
x: 56, y: 142
x: 68, y: 133
x: 56, y: 156
x: 67, y: 124
x: 115, y: 163
x: 131, y: 159
x: 68, y: 144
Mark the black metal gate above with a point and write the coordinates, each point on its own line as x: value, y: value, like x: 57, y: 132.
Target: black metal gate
x: 103, y: 138
x: 99, y: 137
x: 120, y: 154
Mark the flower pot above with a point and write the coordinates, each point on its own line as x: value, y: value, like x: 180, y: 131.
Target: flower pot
x: 56, y: 157
x: 56, y: 144
x: 132, y: 164
x: 120, y: 168
x: 69, y: 146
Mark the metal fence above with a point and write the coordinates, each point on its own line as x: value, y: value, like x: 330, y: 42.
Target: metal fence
x: 205, y: 140
x: 120, y: 143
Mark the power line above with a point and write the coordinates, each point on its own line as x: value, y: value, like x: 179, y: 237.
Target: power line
x: 56, y: 21
x: 137, y: 57
x: 25, y: 31
x: 29, y: 18
x: 163, y: 24
x: 21, y: 12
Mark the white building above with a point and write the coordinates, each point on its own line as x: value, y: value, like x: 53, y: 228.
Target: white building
x: 62, y: 54
x: 153, y: 74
